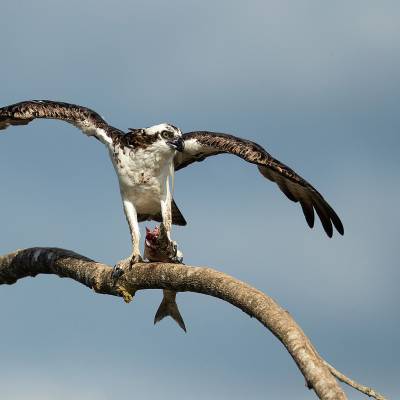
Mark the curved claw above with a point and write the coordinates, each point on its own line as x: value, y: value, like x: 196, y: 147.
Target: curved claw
x: 117, y: 272
x: 125, y: 265
x: 177, y: 254
x: 177, y: 260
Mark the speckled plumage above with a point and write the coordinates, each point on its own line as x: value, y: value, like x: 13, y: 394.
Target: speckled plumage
x: 202, y: 144
x: 143, y: 160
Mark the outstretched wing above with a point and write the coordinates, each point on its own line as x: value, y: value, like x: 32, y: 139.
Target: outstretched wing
x: 200, y: 145
x: 88, y: 121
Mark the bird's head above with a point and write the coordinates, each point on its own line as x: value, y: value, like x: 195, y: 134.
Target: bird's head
x: 168, y: 135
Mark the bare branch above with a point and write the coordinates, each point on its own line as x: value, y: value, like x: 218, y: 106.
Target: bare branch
x: 361, y: 388
x: 319, y: 375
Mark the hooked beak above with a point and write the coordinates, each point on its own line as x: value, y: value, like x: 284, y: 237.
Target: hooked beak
x: 177, y: 144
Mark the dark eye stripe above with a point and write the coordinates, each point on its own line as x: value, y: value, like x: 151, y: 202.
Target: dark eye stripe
x: 167, y: 134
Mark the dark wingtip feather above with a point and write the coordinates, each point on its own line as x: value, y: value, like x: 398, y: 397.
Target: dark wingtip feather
x: 330, y: 212
x: 324, y: 217
x: 5, y: 122
x: 308, y: 212
x: 337, y: 222
x: 327, y: 216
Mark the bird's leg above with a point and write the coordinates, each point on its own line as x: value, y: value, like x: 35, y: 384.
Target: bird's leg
x: 126, y: 263
x: 166, y: 225
x: 170, y: 247
x: 166, y: 212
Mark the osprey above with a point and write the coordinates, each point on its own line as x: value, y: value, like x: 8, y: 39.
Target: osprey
x: 145, y: 161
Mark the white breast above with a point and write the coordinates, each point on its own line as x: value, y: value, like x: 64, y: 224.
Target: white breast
x: 142, y: 175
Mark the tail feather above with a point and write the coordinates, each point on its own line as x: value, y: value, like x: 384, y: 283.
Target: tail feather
x: 168, y: 307
x: 177, y: 217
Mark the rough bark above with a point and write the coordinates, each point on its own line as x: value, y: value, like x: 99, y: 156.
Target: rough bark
x: 319, y: 375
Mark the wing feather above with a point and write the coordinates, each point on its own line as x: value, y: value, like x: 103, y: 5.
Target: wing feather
x: 202, y: 144
x: 85, y: 119
x: 308, y: 212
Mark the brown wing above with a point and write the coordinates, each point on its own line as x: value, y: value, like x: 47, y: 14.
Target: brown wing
x: 202, y: 144
x: 83, y: 118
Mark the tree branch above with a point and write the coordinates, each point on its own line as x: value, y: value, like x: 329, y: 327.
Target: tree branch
x: 319, y: 375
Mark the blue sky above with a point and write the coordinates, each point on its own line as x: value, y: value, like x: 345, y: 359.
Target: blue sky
x: 317, y: 84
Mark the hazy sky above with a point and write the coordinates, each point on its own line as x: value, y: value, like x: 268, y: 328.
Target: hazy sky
x: 316, y: 83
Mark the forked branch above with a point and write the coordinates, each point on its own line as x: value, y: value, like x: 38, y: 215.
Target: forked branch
x: 319, y: 375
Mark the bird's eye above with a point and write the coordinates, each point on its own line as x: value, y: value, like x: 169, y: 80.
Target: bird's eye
x: 167, y: 134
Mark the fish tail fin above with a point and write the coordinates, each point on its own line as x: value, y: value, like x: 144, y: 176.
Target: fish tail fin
x: 168, y: 307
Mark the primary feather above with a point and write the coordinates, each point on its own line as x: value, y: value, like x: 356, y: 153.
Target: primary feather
x: 144, y: 163
x: 202, y: 144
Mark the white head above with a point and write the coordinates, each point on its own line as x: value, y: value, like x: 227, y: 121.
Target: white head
x: 168, y: 135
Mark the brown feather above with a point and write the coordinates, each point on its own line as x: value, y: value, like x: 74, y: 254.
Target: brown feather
x: 26, y: 111
x: 202, y: 144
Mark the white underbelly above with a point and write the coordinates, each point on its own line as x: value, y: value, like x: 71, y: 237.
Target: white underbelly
x: 142, y: 188
x: 142, y: 178
x: 145, y: 196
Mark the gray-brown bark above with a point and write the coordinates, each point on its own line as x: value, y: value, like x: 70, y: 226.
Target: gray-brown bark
x: 319, y: 375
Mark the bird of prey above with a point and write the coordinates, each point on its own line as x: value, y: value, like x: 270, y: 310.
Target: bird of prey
x: 145, y: 160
